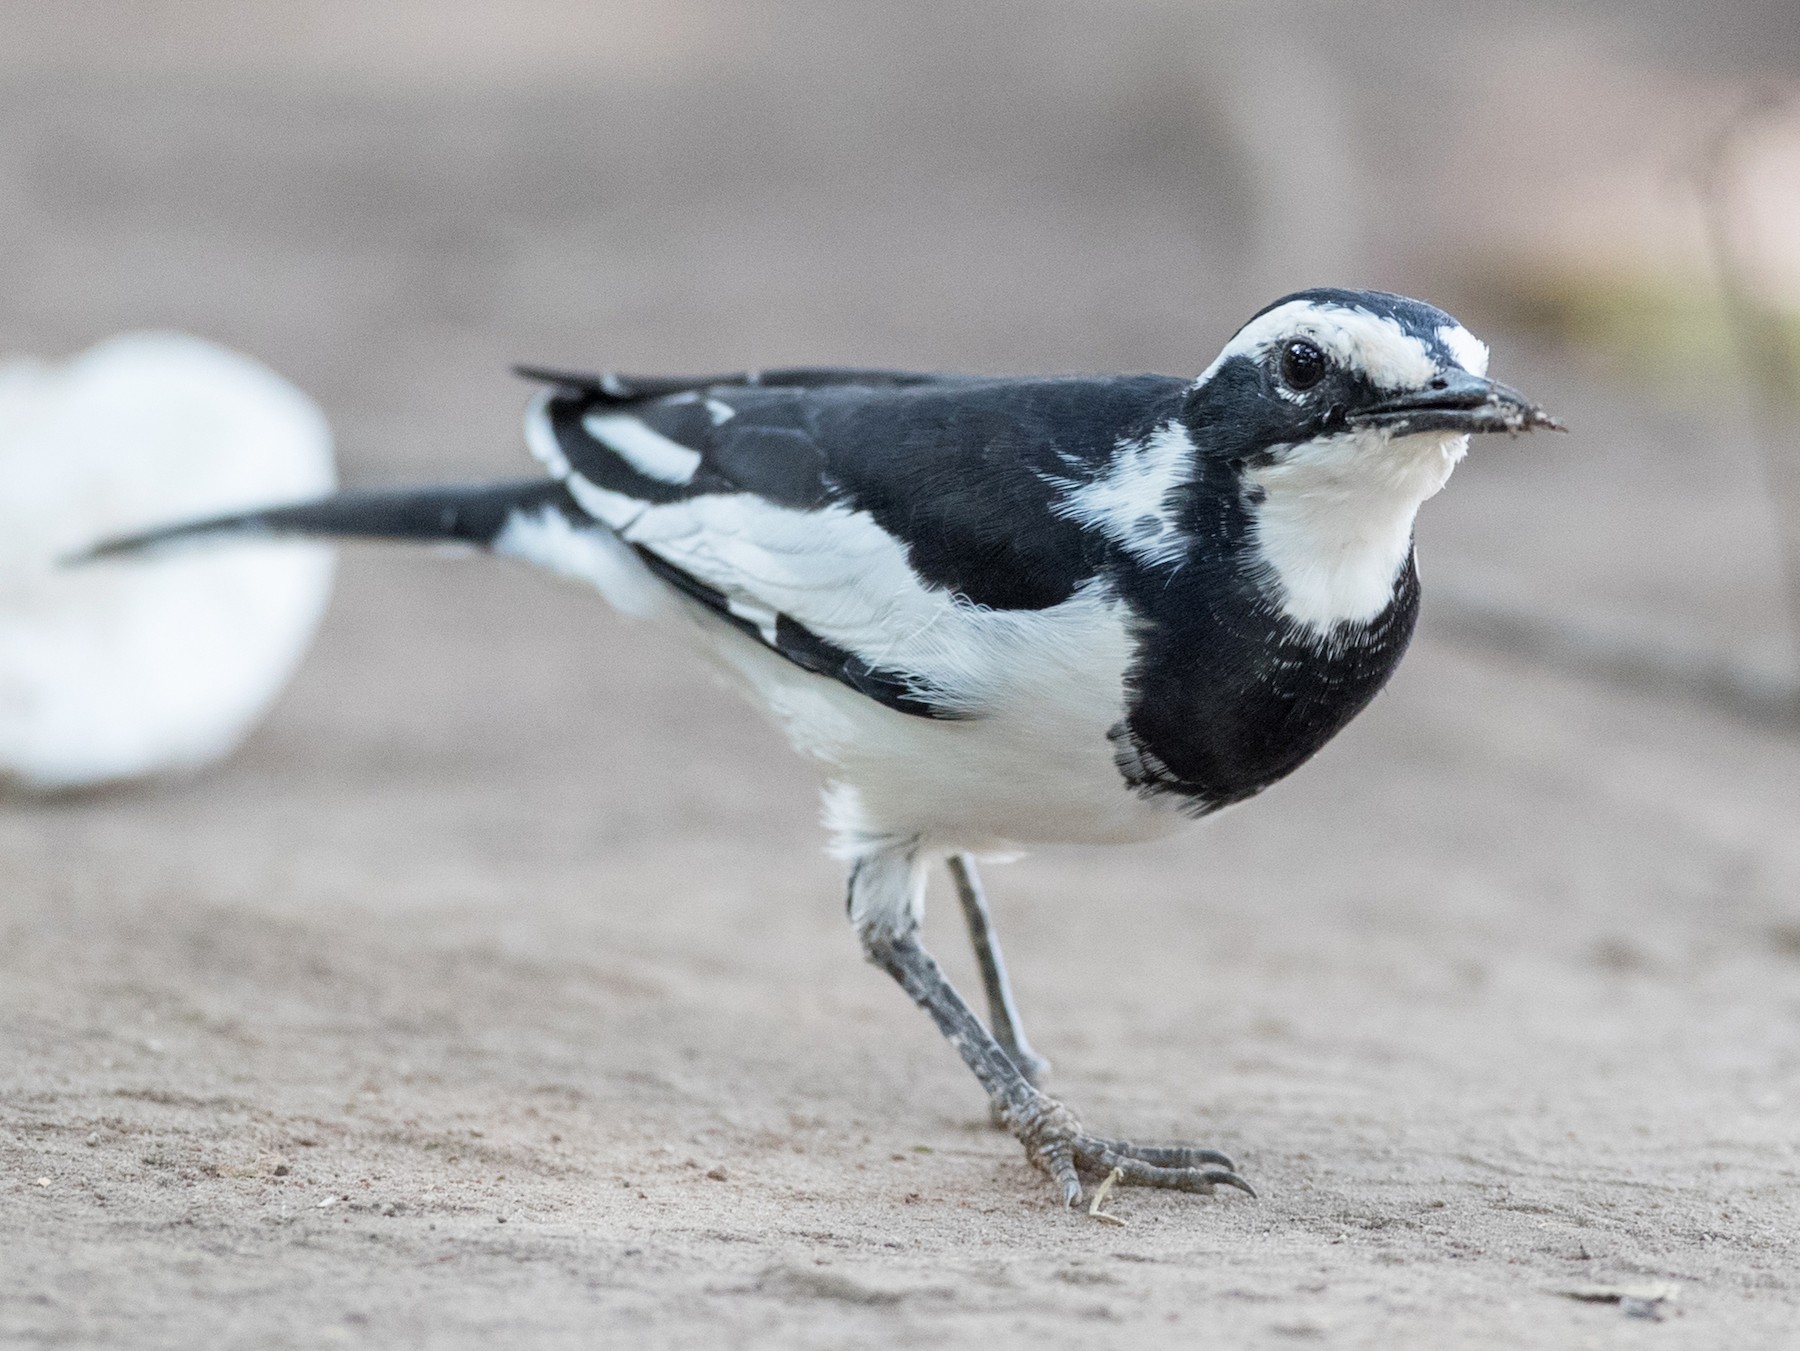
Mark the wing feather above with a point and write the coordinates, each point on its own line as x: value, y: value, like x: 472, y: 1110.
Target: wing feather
x: 891, y: 530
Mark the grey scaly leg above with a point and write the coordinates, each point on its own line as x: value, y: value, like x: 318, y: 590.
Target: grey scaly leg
x: 1003, y: 1014
x: 886, y: 894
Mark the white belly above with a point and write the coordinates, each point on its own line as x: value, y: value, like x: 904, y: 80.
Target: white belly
x: 1036, y: 769
x: 1034, y: 766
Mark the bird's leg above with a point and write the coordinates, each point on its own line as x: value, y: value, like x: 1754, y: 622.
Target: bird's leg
x: 1003, y: 1014
x: 885, y: 898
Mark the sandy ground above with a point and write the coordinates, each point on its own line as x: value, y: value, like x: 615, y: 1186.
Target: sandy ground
x: 498, y: 993
x: 429, y: 1020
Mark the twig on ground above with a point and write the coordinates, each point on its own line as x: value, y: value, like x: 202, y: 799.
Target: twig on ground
x: 1101, y: 1193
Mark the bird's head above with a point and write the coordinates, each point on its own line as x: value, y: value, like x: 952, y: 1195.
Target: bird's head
x: 1324, y: 364
x: 1341, y: 412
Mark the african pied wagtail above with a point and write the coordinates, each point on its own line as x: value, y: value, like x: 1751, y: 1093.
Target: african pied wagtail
x: 1003, y: 611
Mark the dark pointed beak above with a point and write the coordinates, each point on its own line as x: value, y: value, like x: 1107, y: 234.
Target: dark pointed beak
x: 1457, y: 402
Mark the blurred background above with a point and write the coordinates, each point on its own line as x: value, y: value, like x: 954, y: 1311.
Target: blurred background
x: 390, y: 203
x: 497, y: 843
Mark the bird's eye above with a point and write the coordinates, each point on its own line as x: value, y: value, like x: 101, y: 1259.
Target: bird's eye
x: 1302, y: 364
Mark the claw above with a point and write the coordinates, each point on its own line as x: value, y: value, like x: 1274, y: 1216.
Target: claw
x: 1056, y: 1156
x: 1136, y: 1172
x: 1227, y: 1178
x: 1171, y: 1156
x: 1054, y: 1141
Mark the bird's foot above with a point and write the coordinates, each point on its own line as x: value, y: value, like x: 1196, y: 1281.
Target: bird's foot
x: 1034, y: 1067
x: 1055, y: 1142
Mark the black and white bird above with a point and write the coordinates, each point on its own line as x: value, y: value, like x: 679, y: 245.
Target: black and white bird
x: 1004, y: 611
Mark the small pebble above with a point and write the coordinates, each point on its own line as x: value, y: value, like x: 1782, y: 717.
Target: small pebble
x: 281, y: 1170
x: 93, y: 1138
x: 43, y: 1182
x: 718, y: 1174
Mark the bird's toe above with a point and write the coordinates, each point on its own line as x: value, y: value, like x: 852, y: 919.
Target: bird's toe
x: 1100, y: 1156
x: 1172, y: 1156
x: 1055, y: 1142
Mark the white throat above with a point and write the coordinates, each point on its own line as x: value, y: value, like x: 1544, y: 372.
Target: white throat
x: 1335, y: 521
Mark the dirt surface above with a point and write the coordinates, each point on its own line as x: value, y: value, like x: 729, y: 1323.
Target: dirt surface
x: 498, y: 993
x: 429, y: 1020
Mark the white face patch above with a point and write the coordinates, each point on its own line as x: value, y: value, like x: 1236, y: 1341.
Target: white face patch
x: 1334, y: 521
x: 1334, y: 526
x: 1379, y: 347
x: 646, y: 450
x: 1471, y: 352
x: 1129, y: 504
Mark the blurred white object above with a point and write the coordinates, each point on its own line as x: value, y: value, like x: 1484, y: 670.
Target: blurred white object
x: 126, y: 668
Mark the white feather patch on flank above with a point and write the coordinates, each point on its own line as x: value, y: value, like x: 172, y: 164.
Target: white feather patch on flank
x: 755, y: 612
x: 1129, y: 503
x: 1374, y: 344
x: 1043, y: 688
x: 720, y: 412
x: 1471, y: 352
x: 836, y: 572
x: 1335, y: 522
x: 1032, y: 764
x: 1046, y: 687
x: 591, y: 554
x: 617, y: 510
x: 645, y: 449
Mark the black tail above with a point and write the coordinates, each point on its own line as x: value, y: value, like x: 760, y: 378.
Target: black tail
x: 468, y: 515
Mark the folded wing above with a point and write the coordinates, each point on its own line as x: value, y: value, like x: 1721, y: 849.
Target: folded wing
x: 894, y: 531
